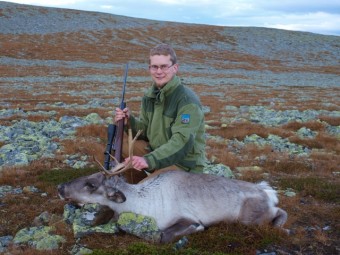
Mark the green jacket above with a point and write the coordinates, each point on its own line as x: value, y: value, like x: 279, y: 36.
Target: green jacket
x: 172, y: 121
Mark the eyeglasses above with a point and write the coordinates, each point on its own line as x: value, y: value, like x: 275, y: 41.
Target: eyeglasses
x: 164, y: 68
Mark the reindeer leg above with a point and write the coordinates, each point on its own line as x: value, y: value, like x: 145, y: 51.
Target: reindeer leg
x: 180, y: 228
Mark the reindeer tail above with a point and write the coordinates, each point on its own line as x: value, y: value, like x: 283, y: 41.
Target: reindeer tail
x: 272, y: 194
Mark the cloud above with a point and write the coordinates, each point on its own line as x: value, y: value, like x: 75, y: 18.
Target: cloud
x: 317, y: 22
x: 302, y: 15
x: 48, y: 3
x: 107, y: 7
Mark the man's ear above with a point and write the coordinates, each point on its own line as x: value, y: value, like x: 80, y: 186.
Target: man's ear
x: 116, y: 196
x: 176, y: 67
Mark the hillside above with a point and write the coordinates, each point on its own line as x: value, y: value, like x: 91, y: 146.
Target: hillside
x: 271, y: 99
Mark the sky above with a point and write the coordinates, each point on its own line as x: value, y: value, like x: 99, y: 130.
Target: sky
x: 316, y: 16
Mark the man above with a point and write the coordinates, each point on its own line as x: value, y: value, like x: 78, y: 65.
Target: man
x: 172, y: 121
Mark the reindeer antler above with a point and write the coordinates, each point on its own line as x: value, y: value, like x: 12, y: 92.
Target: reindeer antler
x: 121, y: 167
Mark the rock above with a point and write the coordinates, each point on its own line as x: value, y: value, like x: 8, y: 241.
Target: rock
x: 69, y: 213
x: 5, y: 241
x: 249, y: 168
x: 139, y: 225
x: 71, y: 121
x: 91, y: 218
x: 80, y: 229
x: 206, y: 109
x: 42, y: 219
x: 306, y: 133
x: 277, y: 143
x: 181, y: 243
x: 270, y: 117
x: 289, y: 193
x: 6, y: 189
x: 76, y: 161
x: 94, y: 118
x: 30, y: 189
x: 39, y: 238
x: 79, y: 164
x: 94, y: 214
x: 265, y: 253
x: 80, y: 250
x: 231, y: 108
x: 219, y: 170
x: 334, y: 130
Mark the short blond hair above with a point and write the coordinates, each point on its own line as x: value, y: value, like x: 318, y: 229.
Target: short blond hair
x: 165, y: 50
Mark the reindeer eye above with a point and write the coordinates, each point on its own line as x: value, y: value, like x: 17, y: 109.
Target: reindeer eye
x: 91, y: 186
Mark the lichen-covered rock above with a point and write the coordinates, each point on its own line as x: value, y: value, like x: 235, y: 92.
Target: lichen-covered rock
x: 139, y: 225
x: 30, y: 189
x: 89, y: 219
x: 5, y: 241
x: 69, y: 213
x: 218, y: 169
x: 80, y: 250
x: 270, y: 117
x: 85, y: 221
x: 94, y: 118
x: 80, y: 229
x: 26, y: 141
x: 76, y: 161
x: 289, y: 193
x: 71, y: 121
x: 248, y: 168
x: 334, y: 130
x: 42, y: 219
x: 6, y: 189
x: 40, y: 238
x: 277, y: 143
x: 306, y: 133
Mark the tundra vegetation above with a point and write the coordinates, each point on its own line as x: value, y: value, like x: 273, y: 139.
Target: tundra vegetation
x: 271, y: 99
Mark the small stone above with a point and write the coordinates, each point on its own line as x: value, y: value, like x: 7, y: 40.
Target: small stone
x: 181, y: 243
x: 249, y: 168
x: 30, y: 189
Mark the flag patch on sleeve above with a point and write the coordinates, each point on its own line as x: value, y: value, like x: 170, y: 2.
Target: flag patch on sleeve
x: 185, y: 118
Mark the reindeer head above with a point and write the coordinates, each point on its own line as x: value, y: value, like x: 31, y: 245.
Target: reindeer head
x: 98, y: 187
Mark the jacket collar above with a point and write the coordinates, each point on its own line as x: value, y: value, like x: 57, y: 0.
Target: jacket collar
x: 160, y: 94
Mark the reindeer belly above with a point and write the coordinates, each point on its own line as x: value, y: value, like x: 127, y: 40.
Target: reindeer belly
x: 208, y: 209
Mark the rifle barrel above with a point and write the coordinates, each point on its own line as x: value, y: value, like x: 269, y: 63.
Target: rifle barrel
x: 116, y: 132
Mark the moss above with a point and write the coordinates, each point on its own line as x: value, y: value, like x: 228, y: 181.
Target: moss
x: 128, y: 218
x: 55, y: 177
x: 39, y: 237
x: 81, y: 230
x: 139, y: 225
x: 49, y: 242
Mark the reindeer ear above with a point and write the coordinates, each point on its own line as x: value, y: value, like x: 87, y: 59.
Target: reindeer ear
x: 116, y: 196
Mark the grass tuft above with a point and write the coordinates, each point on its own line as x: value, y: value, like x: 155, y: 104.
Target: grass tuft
x: 318, y: 188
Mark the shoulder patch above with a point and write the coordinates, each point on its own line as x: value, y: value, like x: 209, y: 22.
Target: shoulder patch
x: 185, y: 118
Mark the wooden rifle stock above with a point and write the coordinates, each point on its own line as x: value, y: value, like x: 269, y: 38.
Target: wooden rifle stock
x: 118, y: 145
x: 111, y: 131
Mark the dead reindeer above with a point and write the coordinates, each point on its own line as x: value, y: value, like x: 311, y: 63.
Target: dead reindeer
x: 181, y: 202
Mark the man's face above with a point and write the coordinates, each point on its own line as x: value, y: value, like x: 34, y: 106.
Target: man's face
x: 162, y: 70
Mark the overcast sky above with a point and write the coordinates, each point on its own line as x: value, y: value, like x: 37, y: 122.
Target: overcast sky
x: 317, y: 16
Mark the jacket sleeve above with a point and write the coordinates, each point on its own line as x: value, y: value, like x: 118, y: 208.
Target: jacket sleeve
x: 182, y: 137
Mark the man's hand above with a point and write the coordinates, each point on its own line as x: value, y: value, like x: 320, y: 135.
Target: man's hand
x: 121, y: 114
x: 139, y: 163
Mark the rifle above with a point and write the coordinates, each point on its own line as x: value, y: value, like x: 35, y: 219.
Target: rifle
x: 115, y: 132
